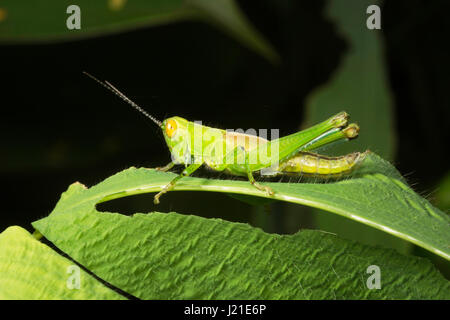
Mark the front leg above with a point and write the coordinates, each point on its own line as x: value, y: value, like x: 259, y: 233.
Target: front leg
x: 266, y: 189
x: 186, y: 172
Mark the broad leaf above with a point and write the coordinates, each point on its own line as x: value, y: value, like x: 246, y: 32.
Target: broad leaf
x: 31, y: 270
x: 173, y: 256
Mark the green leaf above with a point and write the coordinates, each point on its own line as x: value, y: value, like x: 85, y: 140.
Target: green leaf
x: 173, y: 256
x: 37, y: 21
x: 376, y: 196
x: 31, y: 270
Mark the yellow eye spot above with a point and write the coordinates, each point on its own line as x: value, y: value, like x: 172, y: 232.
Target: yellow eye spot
x: 171, y: 128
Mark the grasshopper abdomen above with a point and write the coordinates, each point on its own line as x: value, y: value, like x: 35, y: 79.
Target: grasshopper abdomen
x: 314, y: 165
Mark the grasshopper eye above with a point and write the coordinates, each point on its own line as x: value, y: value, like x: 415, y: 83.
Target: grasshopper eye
x: 171, y: 128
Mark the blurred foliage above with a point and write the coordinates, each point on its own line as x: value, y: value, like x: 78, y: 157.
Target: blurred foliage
x: 442, y: 196
x: 359, y: 84
x: 46, y: 22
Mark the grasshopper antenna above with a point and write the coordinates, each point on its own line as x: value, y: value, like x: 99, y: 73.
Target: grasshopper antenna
x: 116, y: 91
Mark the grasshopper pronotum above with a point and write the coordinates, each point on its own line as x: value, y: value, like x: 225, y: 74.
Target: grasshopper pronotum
x: 240, y: 154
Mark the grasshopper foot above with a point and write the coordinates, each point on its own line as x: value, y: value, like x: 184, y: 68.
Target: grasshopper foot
x: 165, y: 189
x: 266, y: 189
x: 269, y: 191
x: 157, y: 196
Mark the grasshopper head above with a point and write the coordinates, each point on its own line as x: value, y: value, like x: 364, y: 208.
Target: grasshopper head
x: 176, y: 134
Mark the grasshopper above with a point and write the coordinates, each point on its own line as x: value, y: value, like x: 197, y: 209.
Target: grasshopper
x: 240, y: 154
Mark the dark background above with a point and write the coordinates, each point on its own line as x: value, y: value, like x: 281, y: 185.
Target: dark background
x: 58, y: 126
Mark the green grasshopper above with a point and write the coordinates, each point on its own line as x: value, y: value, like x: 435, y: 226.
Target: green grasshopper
x: 240, y: 154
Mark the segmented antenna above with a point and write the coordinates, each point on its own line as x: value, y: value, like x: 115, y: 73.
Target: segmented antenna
x: 116, y: 91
